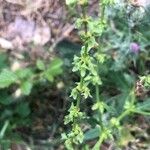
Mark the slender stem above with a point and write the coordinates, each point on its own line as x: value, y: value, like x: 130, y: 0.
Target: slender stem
x: 2, y: 132
x: 102, y: 13
x: 125, y: 113
x: 78, y: 101
x: 99, y: 142
x: 142, y: 112
x: 85, y: 24
x: 98, y: 100
x: 102, y: 135
x: 81, y: 78
x: 97, y: 93
x: 86, y: 46
x: 84, y: 17
x: 101, y: 138
x: 101, y: 10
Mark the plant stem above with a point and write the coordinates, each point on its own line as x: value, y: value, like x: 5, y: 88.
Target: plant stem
x: 98, y: 100
x: 84, y: 17
x: 125, y: 113
x: 99, y: 142
x: 142, y: 112
x: 2, y: 132
x: 102, y: 135
x: 102, y: 13
x: 81, y: 78
x: 97, y: 93
x: 78, y: 101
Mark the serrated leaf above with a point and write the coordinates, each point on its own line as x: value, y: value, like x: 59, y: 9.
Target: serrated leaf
x: 54, y: 69
x: 40, y: 64
x: 26, y: 87
x: 24, y: 73
x: 55, y: 66
x: 7, y: 77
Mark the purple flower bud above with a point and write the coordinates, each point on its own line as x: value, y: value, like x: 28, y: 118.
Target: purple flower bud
x: 134, y: 48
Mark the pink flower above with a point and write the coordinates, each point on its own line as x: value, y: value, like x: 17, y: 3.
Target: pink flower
x: 134, y: 48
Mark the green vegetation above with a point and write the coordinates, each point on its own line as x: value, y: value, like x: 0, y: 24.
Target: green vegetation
x: 88, y: 95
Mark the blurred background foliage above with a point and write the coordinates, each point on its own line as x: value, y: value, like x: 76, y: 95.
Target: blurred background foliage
x: 34, y: 93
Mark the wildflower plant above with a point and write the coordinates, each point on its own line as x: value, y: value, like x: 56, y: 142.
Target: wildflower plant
x: 88, y: 65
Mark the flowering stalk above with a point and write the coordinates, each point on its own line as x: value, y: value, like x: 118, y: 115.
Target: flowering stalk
x: 87, y: 66
x: 75, y: 137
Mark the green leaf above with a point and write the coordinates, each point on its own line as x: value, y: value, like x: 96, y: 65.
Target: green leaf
x: 83, y: 71
x: 71, y: 2
x: 78, y: 23
x: 144, y: 106
x: 7, y: 77
x: 26, y: 87
x: 73, y: 114
x: 49, y: 77
x: 74, y: 93
x: 23, y: 109
x: 100, y: 57
x: 40, y: 64
x: 55, y: 66
x: 5, y: 99
x: 91, y: 43
x: 3, y: 61
x: 107, y: 2
x: 54, y: 69
x: 92, y: 134
x: 24, y: 73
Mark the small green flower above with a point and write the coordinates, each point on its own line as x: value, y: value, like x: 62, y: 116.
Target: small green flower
x: 74, y: 113
x: 115, y: 123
